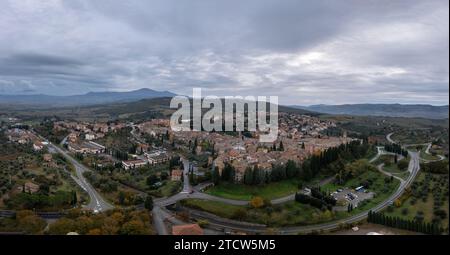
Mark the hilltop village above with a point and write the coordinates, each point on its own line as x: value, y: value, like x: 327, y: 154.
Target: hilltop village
x: 152, y: 142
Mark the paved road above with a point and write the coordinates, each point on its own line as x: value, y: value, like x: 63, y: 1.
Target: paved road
x: 221, y: 222
x: 186, y: 182
x: 413, y: 168
x: 380, y: 168
x: 160, y: 214
x: 381, y: 151
x: 427, y: 151
x: 388, y: 137
x: 158, y: 221
x: 199, y: 195
x: 96, y: 203
x: 136, y: 136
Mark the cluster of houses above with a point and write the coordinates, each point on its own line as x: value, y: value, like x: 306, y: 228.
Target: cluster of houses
x: 23, y: 136
x: 299, y: 137
x: 89, y: 131
x: 83, y: 135
x: 294, y: 125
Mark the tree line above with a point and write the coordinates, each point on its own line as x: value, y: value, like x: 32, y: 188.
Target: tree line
x: 411, y: 225
x: 396, y: 148
x: 305, y: 171
x: 436, y: 167
x: 318, y: 199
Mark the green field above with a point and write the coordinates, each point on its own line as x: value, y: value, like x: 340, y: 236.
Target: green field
x: 170, y: 188
x: 391, y: 167
x: 288, y: 214
x: 217, y: 208
x: 294, y: 213
x: 426, y: 156
x: 411, y: 206
x: 412, y: 136
x: 246, y: 192
x: 380, y: 186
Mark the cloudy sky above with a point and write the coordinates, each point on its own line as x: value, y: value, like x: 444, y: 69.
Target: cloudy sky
x: 305, y: 52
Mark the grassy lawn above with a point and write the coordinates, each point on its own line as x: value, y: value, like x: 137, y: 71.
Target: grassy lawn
x: 390, y: 166
x: 382, y: 159
x: 383, y: 190
x: 113, y: 197
x: 393, y: 168
x: 246, y: 192
x: 331, y: 187
x: 376, y: 177
x: 403, y: 175
x: 405, y: 137
x: 381, y: 194
x: 214, y: 207
x: 426, y: 156
x: 379, y: 185
x: 371, y: 154
x: 294, y: 213
x: 288, y: 214
x: 291, y: 214
x: 170, y: 188
x: 68, y: 184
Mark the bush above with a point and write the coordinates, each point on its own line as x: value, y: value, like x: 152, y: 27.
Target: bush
x: 269, y: 210
x: 257, y: 202
x: 29, y: 222
x: 403, y: 164
x: 203, y: 223
x: 267, y: 202
x: 441, y: 213
x: 305, y: 199
x: 405, y: 211
x: 239, y: 214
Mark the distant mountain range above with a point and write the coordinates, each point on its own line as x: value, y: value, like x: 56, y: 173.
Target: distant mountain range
x: 91, y: 98
x: 162, y: 105
x: 138, y: 100
x: 388, y: 110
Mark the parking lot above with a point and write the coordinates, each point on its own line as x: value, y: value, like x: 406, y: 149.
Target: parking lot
x: 352, y: 196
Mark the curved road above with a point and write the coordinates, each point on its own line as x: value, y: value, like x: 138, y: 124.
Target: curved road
x: 427, y: 151
x: 96, y: 203
x: 413, y: 169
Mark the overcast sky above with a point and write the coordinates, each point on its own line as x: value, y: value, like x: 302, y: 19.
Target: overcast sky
x: 305, y: 52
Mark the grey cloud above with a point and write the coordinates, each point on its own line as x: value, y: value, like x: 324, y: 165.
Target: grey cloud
x: 40, y: 60
x: 306, y: 52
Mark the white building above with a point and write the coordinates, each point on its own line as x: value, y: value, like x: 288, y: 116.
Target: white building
x: 89, y: 136
x: 132, y: 164
x: 37, y: 146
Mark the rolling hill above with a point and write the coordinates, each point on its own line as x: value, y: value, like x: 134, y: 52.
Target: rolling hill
x: 388, y: 110
x: 91, y: 98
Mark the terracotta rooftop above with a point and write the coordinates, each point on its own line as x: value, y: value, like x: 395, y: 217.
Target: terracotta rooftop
x: 177, y: 172
x: 190, y: 229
